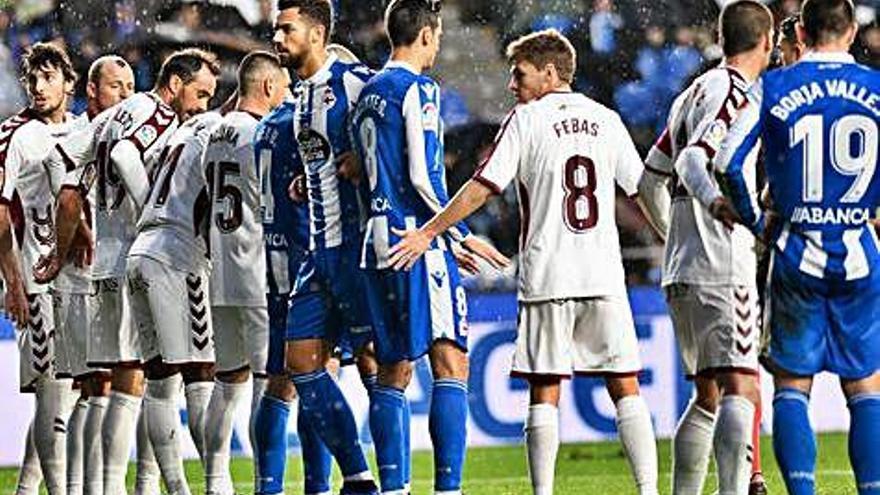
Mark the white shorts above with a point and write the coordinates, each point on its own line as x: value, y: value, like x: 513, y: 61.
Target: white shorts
x: 585, y: 336
x: 241, y: 338
x: 36, y: 342
x: 112, y: 337
x: 73, y: 315
x: 171, y: 311
x: 716, y: 327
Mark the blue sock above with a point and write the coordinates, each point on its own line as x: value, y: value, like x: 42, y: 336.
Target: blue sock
x: 369, y: 382
x: 793, y: 441
x: 386, y: 426
x: 324, y: 406
x: 448, y: 425
x: 864, y: 430
x: 270, y: 436
x: 407, y: 467
x: 316, y: 458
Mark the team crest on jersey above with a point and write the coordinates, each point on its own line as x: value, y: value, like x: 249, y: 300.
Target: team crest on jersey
x: 715, y: 134
x: 329, y: 97
x: 313, y: 147
x: 430, y: 117
x: 146, y: 135
x: 90, y: 173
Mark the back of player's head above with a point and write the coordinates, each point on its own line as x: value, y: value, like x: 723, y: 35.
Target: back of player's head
x: 788, y: 28
x: 47, y: 55
x: 185, y: 64
x: 826, y: 20
x: 94, y: 76
x: 405, y: 19
x: 742, y: 24
x: 543, y: 48
x: 318, y: 12
x: 255, y: 68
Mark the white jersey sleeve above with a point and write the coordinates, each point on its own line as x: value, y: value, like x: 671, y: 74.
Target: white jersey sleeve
x: 629, y: 167
x: 502, y: 164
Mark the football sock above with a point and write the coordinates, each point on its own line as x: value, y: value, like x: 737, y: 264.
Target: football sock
x: 637, y: 437
x: 29, y: 476
x: 316, y: 458
x: 50, y: 432
x: 198, y: 395
x: 691, y: 449
x: 864, y: 431
x: 793, y: 441
x: 387, y: 406
x: 270, y: 447
x: 259, y: 389
x: 542, y: 445
x: 756, y: 439
x: 118, y: 428
x: 147, y: 476
x: 407, y: 453
x: 225, y: 400
x: 93, y: 456
x: 324, y: 406
x: 733, y: 439
x: 369, y: 382
x: 447, y: 422
x: 163, y: 423
x: 75, y: 428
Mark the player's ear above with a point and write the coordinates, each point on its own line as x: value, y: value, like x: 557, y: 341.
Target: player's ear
x: 91, y: 90
x: 268, y: 87
x: 175, y: 83
x: 426, y: 36
x: 801, y: 34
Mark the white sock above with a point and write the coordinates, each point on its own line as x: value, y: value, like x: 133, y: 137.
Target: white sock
x: 50, y: 432
x: 225, y: 400
x: 733, y: 436
x: 116, y: 433
x: 30, y: 475
x: 691, y: 449
x: 542, y: 444
x: 259, y: 389
x: 636, y: 434
x: 93, y: 455
x: 163, y: 425
x: 198, y: 394
x: 75, y: 430
x: 147, y: 474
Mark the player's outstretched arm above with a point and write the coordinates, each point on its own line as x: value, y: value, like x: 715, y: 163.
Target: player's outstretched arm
x: 655, y: 201
x: 414, y: 243
x: 67, y: 222
x: 16, y: 301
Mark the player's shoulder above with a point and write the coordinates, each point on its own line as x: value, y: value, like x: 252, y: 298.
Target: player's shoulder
x: 14, y: 130
x: 279, y: 117
x: 202, y: 123
x: 352, y: 69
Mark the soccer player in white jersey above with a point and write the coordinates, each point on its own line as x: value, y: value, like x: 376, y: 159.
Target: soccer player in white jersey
x: 566, y: 153
x: 125, y: 147
x: 709, y: 270
x: 238, y: 278
x: 26, y: 233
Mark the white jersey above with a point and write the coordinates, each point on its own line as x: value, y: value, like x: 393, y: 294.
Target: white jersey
x: 699, y: 249
x: 170, y: 227
x: 116, y: 161
x: 566, y: 152
x: 25, y: 142
x: 238, y: 276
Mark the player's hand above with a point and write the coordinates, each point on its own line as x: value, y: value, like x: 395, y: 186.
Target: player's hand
x: 466, y: 260
x: 47, y: 268
x: 82, y: 248
x: 297, y: 189
x: 412, y: 245
x: 486, y: 251
x: 16, y: 303
x: 349, y: 167
x: 723, y: 211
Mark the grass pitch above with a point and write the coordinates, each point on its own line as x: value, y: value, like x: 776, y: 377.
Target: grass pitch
x: 583, y: 469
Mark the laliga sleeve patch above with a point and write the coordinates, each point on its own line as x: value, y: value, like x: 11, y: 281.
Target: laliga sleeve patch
x: 715, y: 134
x: 146, y: 136
x: 430, y: 117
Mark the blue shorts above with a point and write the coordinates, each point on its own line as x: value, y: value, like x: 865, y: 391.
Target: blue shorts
x: 278, y: 305
x: 819, y: 325
x: 413, y: 309
x: 329, y: 301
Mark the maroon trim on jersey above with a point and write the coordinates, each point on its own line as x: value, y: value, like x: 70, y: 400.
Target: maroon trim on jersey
x: 664, y: 143
x: 69, y: 164
x: 526, y: 375
x: 657, y: 171
x: 734, y: 100
x: 488, y: 183
x: 616, y: 374
x: 160, y: 121
x: 7, y: 130
x: 16, y: 214
x: 478, y: 173
x: 525, y: 214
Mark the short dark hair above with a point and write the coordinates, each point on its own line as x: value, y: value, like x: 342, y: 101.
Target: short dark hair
x: 254, y: 65
x: 185, y: 64
x: 318, y: 11
x: 542, y: 48
x: 787, y: 31
x: 405, y: 19
x: 826, y: 20
x: 741, y: 25
x: 43, y: 55
x: 95, y: 69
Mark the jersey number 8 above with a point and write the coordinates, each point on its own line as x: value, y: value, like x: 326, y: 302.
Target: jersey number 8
x: 580, y: 207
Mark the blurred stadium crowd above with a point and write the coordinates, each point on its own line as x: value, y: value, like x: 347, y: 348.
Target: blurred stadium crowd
x: 633, y: 55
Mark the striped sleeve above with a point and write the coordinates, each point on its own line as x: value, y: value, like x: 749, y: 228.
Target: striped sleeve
x: 715, y: 109
x: 659, y: 159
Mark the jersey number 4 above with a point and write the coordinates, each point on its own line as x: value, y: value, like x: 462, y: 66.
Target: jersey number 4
x: 580, y: 208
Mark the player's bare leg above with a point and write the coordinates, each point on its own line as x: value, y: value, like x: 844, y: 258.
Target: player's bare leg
x: 198, y: 379
x: 448, y: 416
x: 733, y: 430
x: 163, y: 422
x: 757, y: 486
x: 635, y: 430
x: 793, y: 440
x: 863, y: 399
x: 30, y: 475
x: 692, y: 441
x: 542, y: 432
x: 229, y: 392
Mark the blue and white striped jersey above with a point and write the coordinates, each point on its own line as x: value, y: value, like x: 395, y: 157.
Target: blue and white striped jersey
x: 321, y: 129
x: 398, y: 135
x: 818, y: 121
x: 285, y: 223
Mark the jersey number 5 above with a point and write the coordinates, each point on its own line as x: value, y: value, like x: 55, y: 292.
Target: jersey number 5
x: 580, y: 207
x: 226, y: 196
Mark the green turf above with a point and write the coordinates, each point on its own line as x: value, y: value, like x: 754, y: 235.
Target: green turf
x: 597, y: 468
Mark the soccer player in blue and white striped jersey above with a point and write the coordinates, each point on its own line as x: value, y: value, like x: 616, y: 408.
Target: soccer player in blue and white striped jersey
x: 818, y: 121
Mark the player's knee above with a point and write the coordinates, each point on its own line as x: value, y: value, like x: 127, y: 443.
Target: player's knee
x: 201, y: 372
x: 621, y: 386
x: 128, y: 380
x: 280, y: 387
x: 239, y: 375
x: 544, y: 389
x: 869, y: 385
x: 305, y: 356
x: 737, y: 383
x: 155, y: 369
x: 448, y: 361
x: 397, y: 375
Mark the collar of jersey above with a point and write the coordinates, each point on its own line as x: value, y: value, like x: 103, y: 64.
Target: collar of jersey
x: 397, y: 64
x: 840, y: 57
x: 323, y: 73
